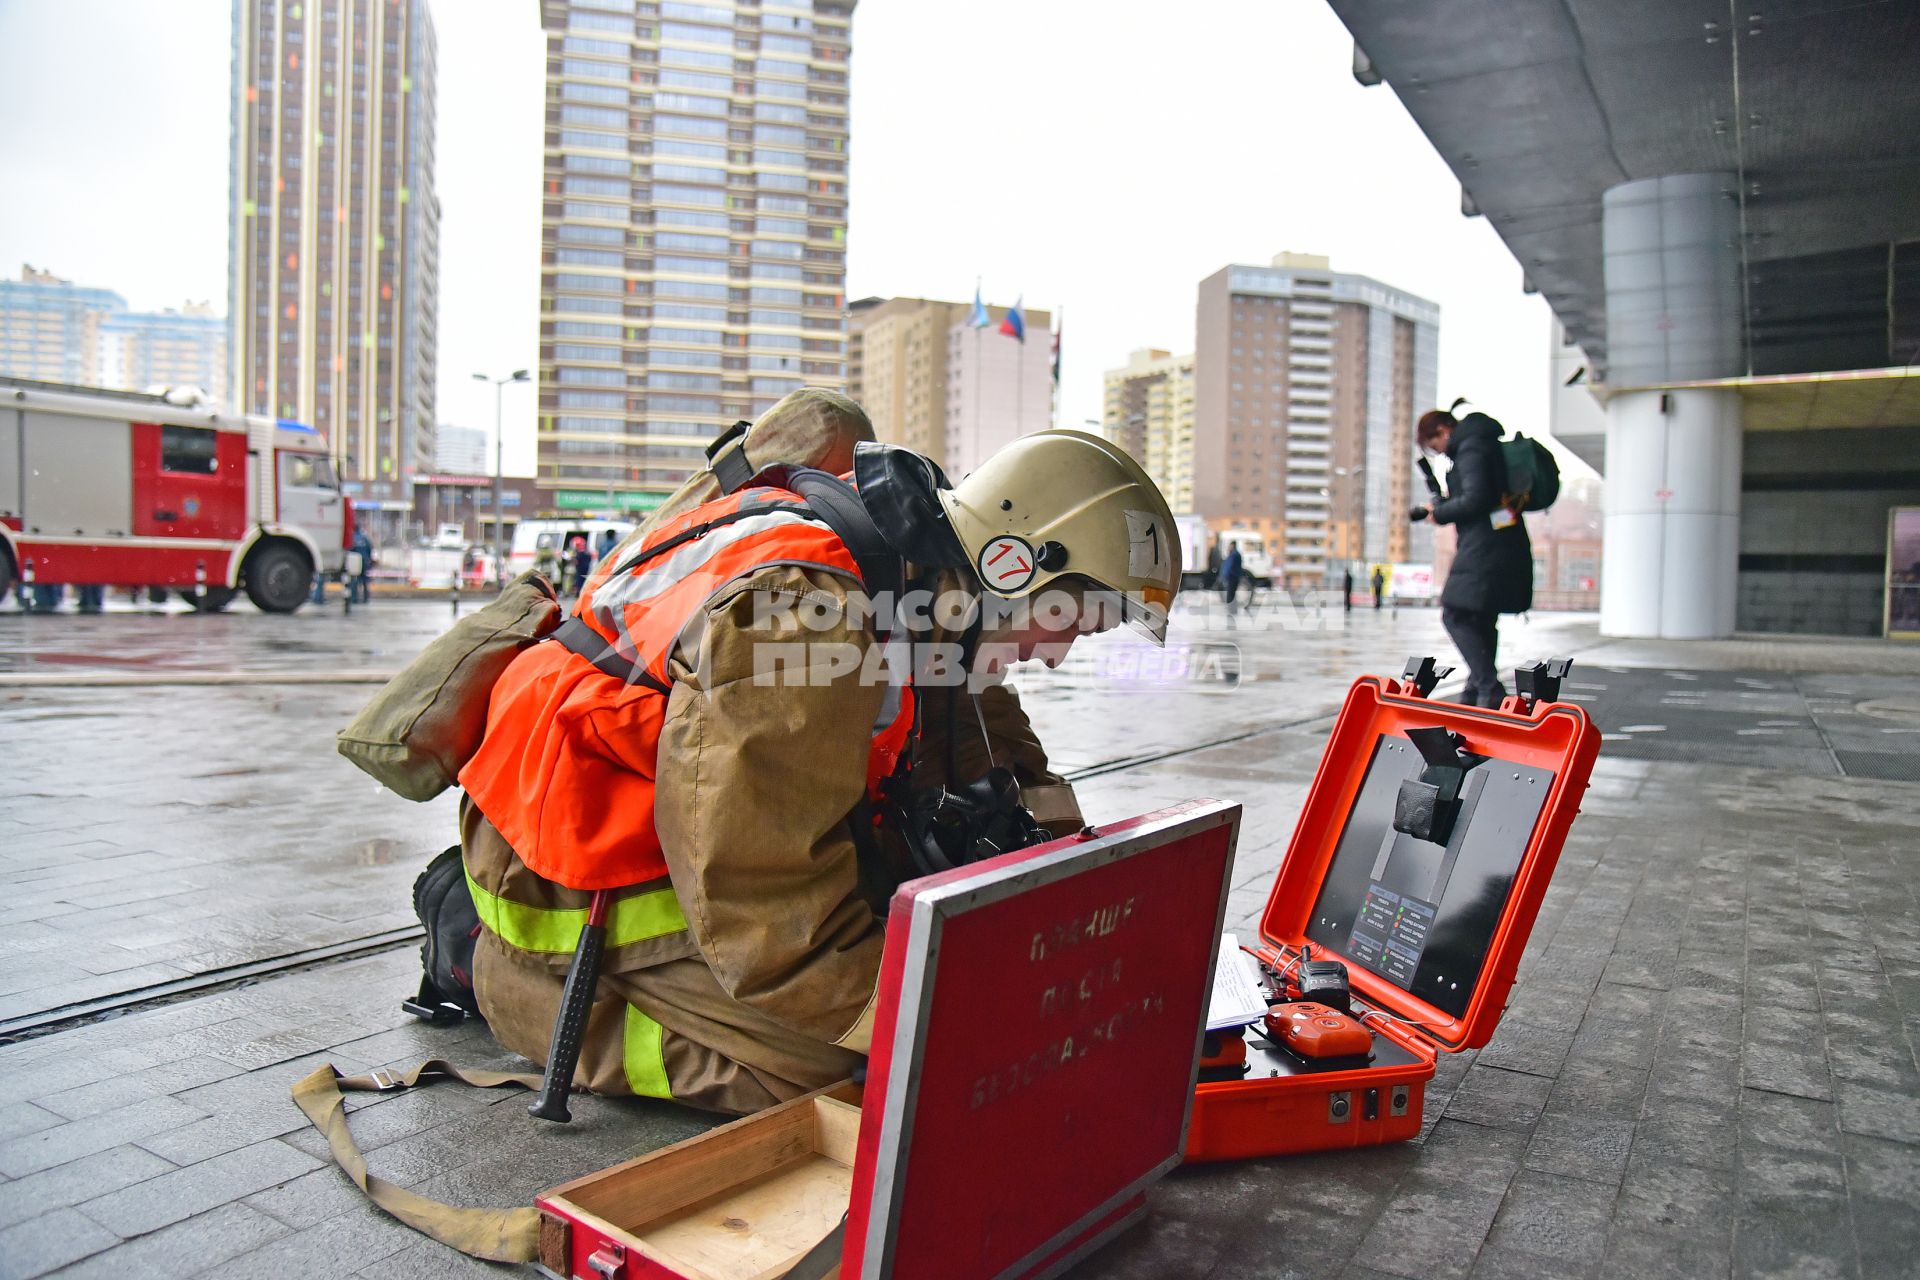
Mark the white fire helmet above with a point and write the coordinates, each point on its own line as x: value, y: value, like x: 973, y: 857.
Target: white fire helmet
x: 1065, y: 504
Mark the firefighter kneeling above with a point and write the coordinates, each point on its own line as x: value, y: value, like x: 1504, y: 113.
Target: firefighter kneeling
x: 737, y: 731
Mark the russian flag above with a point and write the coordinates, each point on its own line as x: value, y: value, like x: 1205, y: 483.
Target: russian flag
x: 1015, y: 325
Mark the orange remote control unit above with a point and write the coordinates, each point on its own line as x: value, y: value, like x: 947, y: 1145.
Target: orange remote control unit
x: 1317, y: 1031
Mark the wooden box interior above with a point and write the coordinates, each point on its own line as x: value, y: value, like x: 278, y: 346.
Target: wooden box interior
x: 739, y: 1202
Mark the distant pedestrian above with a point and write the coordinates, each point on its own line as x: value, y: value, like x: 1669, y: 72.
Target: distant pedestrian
x: 1346, y: 588
x: 1230, y: 570
x: 1213, y: 565
x: 1379, y: 585
x: 1492, y: 569
x: 608, y: 541
x: 582, y: 563
x: 92, y: 598
x: 360, y: 590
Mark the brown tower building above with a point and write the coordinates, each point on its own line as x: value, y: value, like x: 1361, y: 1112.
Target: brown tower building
x: 335, y: 227
x: 693, y: 233
x: 897, y: 368
x: 1307, y: 382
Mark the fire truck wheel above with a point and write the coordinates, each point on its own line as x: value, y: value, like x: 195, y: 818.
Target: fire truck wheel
x: 213, y: 601
x: 278, y: 577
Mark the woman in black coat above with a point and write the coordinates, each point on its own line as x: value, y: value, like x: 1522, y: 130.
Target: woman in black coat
x: 1492, y: 569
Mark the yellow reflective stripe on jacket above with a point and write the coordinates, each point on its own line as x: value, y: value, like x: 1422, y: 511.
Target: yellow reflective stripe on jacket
x: 634, y: 918
x: 646, y: 1065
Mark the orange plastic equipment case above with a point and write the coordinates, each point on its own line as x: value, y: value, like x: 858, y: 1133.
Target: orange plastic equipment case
x: 1431, y: 930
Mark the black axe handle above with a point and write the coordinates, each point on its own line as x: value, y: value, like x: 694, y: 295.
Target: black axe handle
x: 570, y: 1024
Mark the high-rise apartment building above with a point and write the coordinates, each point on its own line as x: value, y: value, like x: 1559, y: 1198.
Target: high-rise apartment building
x: 50, y: 328
x: 1148, y: 411
x: 461, y: 451
x: 1307, y: 383
x: 693, y: 243
x: 932, y: 382
x: 56, y: 331
x: 335, y: 227
x: 897, y: 368
x: 184, y: 348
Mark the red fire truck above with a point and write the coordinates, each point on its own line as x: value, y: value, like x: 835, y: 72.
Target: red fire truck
x: 117, y: 488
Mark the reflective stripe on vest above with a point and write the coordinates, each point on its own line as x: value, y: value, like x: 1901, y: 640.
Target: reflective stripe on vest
x: 567, y: 767
x: 643, y: 1058
x: 556, y: 930
x: 640, y: 607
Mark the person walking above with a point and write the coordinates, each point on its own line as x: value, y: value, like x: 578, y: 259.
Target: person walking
x: 1230, y: 569
x: 359, y: 588
x: 1346, y: 588
x: 1213, y: 564
x: 582, y: 563
x: 1492, y: 569
x: 1379, y: 585
x: 608, y: 541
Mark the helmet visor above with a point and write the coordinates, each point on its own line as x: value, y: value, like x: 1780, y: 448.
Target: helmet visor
x: 1145, y: 609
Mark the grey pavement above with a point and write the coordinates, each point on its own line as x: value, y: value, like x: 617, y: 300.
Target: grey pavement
x: 1707, y: 1067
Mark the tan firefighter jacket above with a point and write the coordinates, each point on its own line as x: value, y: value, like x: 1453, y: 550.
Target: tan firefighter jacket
x: 748, y: 976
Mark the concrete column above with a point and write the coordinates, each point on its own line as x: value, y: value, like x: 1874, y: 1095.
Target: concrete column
x: 1672, y: 537
x: 1674, y: 314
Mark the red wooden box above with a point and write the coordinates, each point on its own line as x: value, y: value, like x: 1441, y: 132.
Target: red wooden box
x: 1431, y: 933
x: 1035, y: 1047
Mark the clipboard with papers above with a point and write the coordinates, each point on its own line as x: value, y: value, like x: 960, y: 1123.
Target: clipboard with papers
x: 1238, y: 998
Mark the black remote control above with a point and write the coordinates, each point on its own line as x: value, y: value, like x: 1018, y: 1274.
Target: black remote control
x: 1322, y: 981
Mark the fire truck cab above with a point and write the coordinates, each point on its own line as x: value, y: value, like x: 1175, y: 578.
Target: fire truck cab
x: 118, y: 488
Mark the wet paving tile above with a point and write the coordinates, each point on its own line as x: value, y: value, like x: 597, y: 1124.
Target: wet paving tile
x: 1707, y: 1064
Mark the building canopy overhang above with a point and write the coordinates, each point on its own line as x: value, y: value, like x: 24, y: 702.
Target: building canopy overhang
x: 1540, y: 106
x: 1802, y: 401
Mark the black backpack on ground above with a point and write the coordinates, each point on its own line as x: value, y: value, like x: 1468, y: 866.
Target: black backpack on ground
x: 446, y: 911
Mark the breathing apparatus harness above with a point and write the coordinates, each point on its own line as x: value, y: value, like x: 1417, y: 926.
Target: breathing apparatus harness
x: 890, y: 520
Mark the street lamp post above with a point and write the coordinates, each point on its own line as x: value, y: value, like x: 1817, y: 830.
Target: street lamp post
x: 499, y: 513
x: 1351, y: 474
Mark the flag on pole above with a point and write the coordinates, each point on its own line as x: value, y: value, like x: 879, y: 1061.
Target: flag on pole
x: 979, y: 319
x: 1059, y: 324
x: 1014, y: 326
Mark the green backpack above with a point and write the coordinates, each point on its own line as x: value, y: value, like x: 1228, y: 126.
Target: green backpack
x: 1533, y: 474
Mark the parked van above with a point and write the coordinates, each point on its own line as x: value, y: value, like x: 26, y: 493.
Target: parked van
x: 538, y: 540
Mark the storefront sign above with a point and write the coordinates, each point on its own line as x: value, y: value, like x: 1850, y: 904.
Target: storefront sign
x: 605, y: 500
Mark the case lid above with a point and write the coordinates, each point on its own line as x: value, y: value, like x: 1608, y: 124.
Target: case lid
x: 1036, y: 1041
x: 1431, y: 929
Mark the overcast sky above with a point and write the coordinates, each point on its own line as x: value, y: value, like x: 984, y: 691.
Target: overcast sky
x: 1100, y: 156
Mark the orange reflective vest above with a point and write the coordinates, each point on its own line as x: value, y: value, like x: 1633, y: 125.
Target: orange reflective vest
x: 567, y: 768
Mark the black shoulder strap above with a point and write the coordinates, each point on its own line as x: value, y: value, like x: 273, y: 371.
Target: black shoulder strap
x: 582, y: 639
x: 727, y: 458
x: 838, y: 506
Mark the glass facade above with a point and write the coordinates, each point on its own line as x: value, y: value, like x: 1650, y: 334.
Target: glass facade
x: 713, y: 225
x: 335, y: 226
